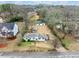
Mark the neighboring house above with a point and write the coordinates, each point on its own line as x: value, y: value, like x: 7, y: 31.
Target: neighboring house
x: 8, y: 30
x: 39, y: 23
x: 35, y: 37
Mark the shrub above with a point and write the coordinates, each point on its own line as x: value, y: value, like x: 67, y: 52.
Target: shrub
x: 15, y: 19
x: 23, y: 40
x: 30, y: 40
x: 19, y: 44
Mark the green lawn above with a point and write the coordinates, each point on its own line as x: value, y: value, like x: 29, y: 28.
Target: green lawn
x: 26, y: 44
x: 67, y: 42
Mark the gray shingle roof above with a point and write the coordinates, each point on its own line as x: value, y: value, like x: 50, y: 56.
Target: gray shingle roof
x: 33, y: 35
x: 9, y: 26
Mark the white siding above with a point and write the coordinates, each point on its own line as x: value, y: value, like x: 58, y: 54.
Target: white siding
x: 25, y: 39
x: 15, y: 30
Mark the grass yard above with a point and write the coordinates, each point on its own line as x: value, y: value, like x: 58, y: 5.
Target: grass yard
x: 67, y: 42
x: 26, y: 44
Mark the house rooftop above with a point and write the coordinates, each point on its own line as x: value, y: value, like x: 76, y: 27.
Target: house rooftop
x: 7, y: 25
x: 34, y: 35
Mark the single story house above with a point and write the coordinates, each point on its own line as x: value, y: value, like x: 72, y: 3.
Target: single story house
x: 8, y: 30
x: 35, y: 37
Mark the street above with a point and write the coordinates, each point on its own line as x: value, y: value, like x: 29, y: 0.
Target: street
x: 38, y: 54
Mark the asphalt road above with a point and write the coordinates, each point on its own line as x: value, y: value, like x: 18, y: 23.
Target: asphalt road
x: 38, y: 54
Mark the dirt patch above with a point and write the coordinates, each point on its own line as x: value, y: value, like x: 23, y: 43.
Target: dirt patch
x: 74, y: 46
x: 43, y: 45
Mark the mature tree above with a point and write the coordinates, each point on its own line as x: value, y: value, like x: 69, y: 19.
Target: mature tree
x: 69, y: 16
x: 7, y: 8
x: 42, y: 11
